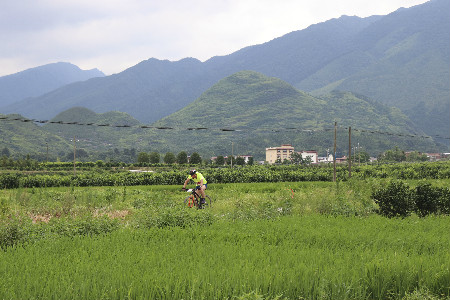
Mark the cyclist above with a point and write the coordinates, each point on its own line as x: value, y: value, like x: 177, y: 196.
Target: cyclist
x: 201, y: 182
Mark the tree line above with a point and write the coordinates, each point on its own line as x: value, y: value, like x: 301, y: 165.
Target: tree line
x: 195, y: 159
x: 115, y: 159
x: 132, y: 156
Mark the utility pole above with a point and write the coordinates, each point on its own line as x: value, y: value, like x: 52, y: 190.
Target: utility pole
x: 359, y: 155
x: 349, y: 152
x: 46, y: 160
x: 232, y: 154
x: 334, y: 153
x: 74, y: 157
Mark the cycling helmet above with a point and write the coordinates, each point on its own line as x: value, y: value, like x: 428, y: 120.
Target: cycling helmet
x: 192, y: 172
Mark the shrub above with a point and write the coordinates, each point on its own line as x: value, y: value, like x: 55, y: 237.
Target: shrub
x: 172, y: 217
x: 426, y: 199
x: 9, y: 181
x: 14, y: 231
x: 443, y: 203
x: 86, y: 225
x: 397, y: 200
x: 394, y: 200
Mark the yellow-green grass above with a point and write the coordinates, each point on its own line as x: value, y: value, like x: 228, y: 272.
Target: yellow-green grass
x: 292, y: 257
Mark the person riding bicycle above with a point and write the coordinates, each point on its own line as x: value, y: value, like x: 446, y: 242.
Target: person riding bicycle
x: 201, y: 182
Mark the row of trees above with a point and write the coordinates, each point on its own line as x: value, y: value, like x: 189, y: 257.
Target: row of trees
x: 398, y: 155
x: 296, y: 159
x: 183, y: 158
x: 169, y: 158
x: 126, y: 155
x: 131, y: 156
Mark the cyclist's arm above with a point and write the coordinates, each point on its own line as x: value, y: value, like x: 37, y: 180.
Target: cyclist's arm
x: 185, y: 183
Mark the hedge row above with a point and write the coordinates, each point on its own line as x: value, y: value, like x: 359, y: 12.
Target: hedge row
x: 246, y: 174
x: 16, y: 180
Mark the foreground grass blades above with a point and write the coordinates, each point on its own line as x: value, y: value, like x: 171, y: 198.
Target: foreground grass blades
x: 314, y: 257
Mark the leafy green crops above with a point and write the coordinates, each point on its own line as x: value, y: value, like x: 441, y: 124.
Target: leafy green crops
x: 314, y: 257
x: 248, y: 174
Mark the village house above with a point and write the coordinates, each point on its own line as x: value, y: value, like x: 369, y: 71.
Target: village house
x: 281, y: 153
x: 433, y: 156
x: 285, y: 151
x: 312, y: 154
x: 325, y: 159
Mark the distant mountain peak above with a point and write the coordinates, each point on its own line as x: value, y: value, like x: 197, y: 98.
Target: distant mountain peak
x: 40, y: 80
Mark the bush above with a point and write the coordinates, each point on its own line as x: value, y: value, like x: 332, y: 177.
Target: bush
x: 86, y: 225
x: 443, y: 204
x: 14, y: 231
x: 394, y: 200
x: 426, y: 199
x: 398, y: 200
x: 9, y: 181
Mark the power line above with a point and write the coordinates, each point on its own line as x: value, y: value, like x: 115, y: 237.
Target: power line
x: 25, y: 120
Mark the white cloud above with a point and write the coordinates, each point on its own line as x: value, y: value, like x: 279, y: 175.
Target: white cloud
x: 113, y: 35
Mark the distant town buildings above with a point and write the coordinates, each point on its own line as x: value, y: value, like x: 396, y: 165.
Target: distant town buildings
x: 274, y: 154
x: 285, y: 151
x: 246, y: 157
x: 312, y: 154
x: 325, y: 159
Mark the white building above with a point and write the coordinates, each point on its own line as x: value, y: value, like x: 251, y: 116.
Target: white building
x: 312, y: 154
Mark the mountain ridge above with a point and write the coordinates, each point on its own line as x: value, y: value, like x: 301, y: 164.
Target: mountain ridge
x: 41, y: 80
x: 267, y: 111
x: 399, y: 59
x: 255, y: 111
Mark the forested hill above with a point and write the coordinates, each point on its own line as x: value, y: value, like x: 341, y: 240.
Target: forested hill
x: 247, y: 109
x: 23, y: 138
x: 269, y: 112
x: 250, y: 99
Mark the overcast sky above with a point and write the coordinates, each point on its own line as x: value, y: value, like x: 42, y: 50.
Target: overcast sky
x: 113, y: 35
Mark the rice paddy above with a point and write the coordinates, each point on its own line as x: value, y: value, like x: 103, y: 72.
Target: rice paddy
x: 258, y: 241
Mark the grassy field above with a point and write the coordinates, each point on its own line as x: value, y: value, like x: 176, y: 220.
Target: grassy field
x: 352, y: 197
x: 308, y: 240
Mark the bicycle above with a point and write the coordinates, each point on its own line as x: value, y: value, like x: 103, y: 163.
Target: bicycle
x: 193, y: 200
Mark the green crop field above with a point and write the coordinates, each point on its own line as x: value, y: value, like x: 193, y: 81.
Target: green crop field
x: 280, y: 240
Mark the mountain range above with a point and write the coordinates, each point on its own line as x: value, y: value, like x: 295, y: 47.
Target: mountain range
x: 401, y: 60
x: 248, y: 111
x: 41, y: 80
x: 269, y: 111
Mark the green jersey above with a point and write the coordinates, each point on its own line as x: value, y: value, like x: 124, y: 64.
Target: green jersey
x: 198, y: 179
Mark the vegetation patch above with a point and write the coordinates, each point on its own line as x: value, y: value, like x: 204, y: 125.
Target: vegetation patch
x: 285, y: 240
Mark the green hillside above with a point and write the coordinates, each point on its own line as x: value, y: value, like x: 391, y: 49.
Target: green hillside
x: 244, y: 114
x: 401, y: 60
x: 248, y: 99
x: 269, y: 112
x: 22, y: 138
x: 94, y: 132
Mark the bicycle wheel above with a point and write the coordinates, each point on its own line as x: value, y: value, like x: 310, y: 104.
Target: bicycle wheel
x: 189, y: 201
x: 208, y: 202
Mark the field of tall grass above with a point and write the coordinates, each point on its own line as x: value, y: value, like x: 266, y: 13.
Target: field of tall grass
x: 349, y: 198
x: 303, y: 240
